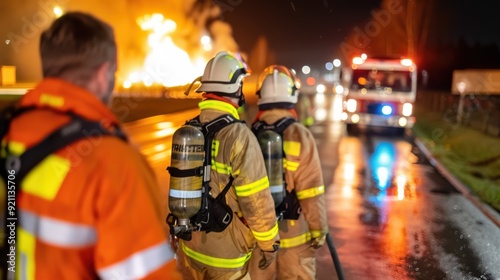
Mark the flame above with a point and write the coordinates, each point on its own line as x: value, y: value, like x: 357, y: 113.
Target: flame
x: 166, y: 63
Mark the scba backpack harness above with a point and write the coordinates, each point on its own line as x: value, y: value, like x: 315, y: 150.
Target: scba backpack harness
x: 191, y: 205
x: 288, y: 207
x: 14, y: 168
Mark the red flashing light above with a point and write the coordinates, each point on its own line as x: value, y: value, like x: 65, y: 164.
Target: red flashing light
x: 310, y: 81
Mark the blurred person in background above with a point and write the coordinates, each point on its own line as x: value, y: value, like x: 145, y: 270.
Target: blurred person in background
x: 277, y: 91
x: 304, y: 111
x: 91, y: 208
x: 236, y: 155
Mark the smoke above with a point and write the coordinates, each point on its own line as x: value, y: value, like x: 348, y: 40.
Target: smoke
x: 23, y: 22
x: 398, y: 28
x: 223, y: 37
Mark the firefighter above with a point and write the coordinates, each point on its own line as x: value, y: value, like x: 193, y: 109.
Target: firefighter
x: 90, y: 209
x: 277, y: 96
x: 235, y: 153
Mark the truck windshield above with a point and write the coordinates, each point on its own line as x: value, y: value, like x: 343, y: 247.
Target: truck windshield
x: 381, y: 79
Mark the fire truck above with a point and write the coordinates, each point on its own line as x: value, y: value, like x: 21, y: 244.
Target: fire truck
x: 379, y: 92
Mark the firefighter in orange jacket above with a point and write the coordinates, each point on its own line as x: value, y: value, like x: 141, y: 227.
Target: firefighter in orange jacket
x: 277, y: 95
x: 90, y: 209
x: 236, y: 153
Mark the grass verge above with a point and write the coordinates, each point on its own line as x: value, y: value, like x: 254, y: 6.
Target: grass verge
x: 473, y: 157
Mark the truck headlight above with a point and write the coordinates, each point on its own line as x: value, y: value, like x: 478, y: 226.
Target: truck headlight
x: 407, y: 109
x: 351, y: 105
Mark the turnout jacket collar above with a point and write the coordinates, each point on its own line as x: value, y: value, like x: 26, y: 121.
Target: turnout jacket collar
x: 212, y: 104
x: 273, y: 115
x: 62, y: 96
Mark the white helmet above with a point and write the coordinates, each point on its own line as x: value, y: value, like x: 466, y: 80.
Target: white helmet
x: 277, y: 85
x: 223, y: 74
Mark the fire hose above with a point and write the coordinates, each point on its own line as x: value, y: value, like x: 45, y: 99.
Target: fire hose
x: 335, y: 257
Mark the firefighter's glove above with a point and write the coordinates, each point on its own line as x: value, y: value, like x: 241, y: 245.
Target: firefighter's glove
x: 318, y: 242
x: 268, y: 257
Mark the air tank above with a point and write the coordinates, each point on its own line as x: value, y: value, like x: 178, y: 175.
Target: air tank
x: 271, y: 145
x: 185, y: 191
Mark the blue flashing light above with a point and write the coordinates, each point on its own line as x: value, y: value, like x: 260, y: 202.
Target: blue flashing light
x: 387, y: 110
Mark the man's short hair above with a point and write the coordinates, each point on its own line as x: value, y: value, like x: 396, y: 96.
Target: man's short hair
x: 75, y: 46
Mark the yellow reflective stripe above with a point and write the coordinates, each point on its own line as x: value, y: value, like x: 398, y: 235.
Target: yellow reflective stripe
x: 234, y: 58
x: 295, y: 241
x: 252, y: 188
x: 140, y: 264
x: 291, y: 148
x: 219, y: 105
x: 312, y: 192
x: 218, y: 166
x: 316, y: 233
x: 239, y: 63
x: 16, y: 148
x: 290, y: 165
x: 51, y: 100
x: 213, y: 261
x: 25, y: 255
x: 266, y: 235
x: 50, y: 173
x: 221, y: 168
x: 215, y: 147
x: 309, y: 121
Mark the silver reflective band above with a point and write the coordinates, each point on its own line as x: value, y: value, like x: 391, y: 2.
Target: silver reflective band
x: 57, y: 232
x: 276, y: 189
x: 140, y: 264
x: 185, y: 194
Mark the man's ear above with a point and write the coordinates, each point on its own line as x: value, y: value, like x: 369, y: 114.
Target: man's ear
x: 102, y: 77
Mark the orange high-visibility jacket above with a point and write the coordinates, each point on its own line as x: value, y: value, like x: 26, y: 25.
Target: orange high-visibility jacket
x: 91, y: 209
x: 235, y: 152
x: 303, y: 174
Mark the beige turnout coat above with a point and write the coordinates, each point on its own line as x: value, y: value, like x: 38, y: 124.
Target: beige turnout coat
x: 304, y: 175
x: 236, y: 153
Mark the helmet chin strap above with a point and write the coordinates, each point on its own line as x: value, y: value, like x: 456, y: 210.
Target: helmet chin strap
x: 186, y: 93
x: 241, y: 100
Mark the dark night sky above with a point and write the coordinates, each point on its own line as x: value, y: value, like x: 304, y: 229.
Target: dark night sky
x: 309, y: 31
x: 476, y: 21
x: 297, y: 31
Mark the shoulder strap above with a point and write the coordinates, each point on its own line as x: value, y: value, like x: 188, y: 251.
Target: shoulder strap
x: 76, y: 129
x: 283, y: 123
x: 7, y: 115
x: 279, y: 126
x: 209, y: 130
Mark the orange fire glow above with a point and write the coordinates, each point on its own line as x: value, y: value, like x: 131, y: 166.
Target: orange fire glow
x: 166, y: 64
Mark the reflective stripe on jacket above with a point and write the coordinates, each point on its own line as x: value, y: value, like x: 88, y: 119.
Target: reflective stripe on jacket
x: 92, y: 207
x: 303, y: 174
x: 235, y: 152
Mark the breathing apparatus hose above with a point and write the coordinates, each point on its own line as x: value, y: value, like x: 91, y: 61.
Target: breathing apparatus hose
x: 335, y: 257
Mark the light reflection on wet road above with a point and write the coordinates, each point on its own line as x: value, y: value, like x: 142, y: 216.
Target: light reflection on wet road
x: 392, y: 216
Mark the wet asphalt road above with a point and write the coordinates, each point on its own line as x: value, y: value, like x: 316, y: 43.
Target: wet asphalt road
x: 393, y: 216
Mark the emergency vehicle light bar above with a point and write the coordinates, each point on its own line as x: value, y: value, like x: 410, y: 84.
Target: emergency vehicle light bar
x: 360, y: 60
x: 406, y: 62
